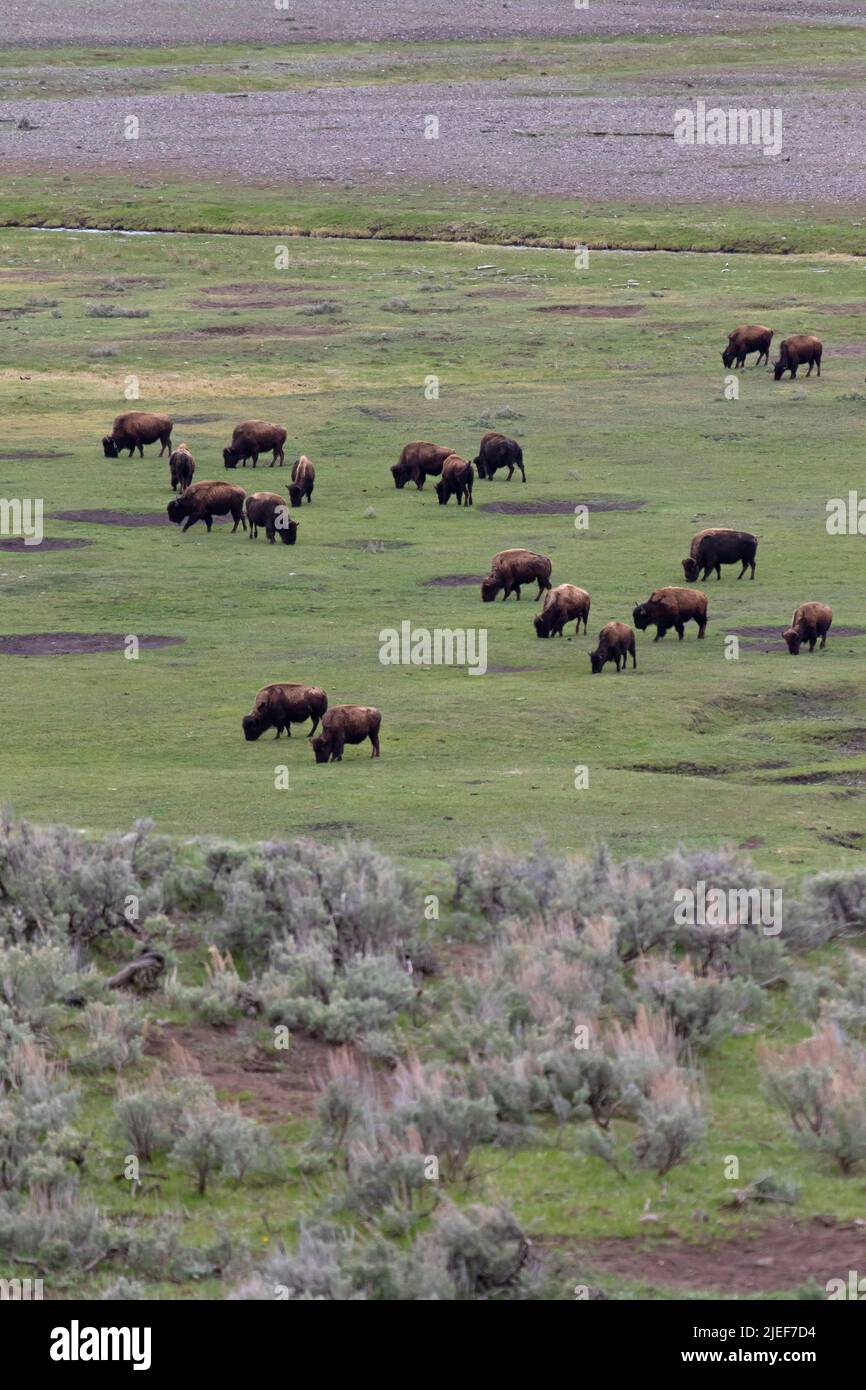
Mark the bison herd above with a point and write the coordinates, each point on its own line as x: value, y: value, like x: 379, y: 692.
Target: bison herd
x: 281, y: 705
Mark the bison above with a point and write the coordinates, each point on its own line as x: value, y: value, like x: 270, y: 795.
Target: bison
x: 751, y: 337
x: 419, y: 461
x: 271, y: 511
x: 498, y: 451
x: 560, y: 606
x: 719, y: 546
x: 252, y: 438
x: 615, y: 643
x: 181, y: 466
x: 281, y: 705
x: 796, y: 352
x: 456, y: 481
x: 134, y: 429
x: 672, y: 608
x: 511, y: 568
x: 303, y: 478
x: 203, y: 501
x: 346, y: 724
x: 810, y: 621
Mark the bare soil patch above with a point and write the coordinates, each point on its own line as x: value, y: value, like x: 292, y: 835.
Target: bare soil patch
x: 453, y: 581
x: 556, y: 507
x: 591, y: 311
x: 853, y: 778
x: 678, y: 769
x: 22, y: 455
x: 843, y: 740
x: 182, y: 420
x: 47, y: 543
x: 495, y: 670
x: 74, y: 643
x: 769, y: 639
x: 106, y: 518
x: 785, y: 1255
x: 250, y: 330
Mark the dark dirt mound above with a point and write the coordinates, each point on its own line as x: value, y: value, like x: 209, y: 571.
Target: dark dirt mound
x: 844, y: 740
x: 103, y: 518
x: 854, y: 778
x: 560, y: 508
x: 592, y: 311
x: 14, y: 455
x: 253, y: 330
x: 453, y: 581
x: 678, y: 769
x: 74, y: 643
x: 48, y: 543
x: 786, y: 1255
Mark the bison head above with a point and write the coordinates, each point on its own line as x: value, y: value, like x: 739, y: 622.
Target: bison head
x: 728, y: 356
x: 596, y: 661
x: 399, y: 475
x: 109, y: 446
x: 296, y: 497
x: 253, y: 726
x: 288, y: 534
x: 230, y: 458
x: 691, y: 568
x: 176, y: 511
x: 778, y: 368
x: 793, y: 639
x: 321, y: 746
x: 489, y: 588
x: 641, y: 616
x: 479, y: 466
x: 442, y: 493
x: 542, y: 625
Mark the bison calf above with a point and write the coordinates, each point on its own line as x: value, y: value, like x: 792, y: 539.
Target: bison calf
x: 417, y: 462
x: 252, y: 438
x: 270, y: 511
x: 810, y: 621
x: 560, y: 606
x: 303, y: 478
x: 498, y: 451
x: 346, y: 724
x: 280, y: 705
x: 181, y: 466
x: 134, y: 429
x: 511, y: 568
x: 716, y: 547
x: 456, y: 481
x: 796, y: 352
x: 615, y: 643
x: 203, y: 501
x: 750, y: 337
x: 666, y: 608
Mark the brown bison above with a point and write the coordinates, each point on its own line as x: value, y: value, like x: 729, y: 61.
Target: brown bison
x: 181, y: 466
x: 498, y: 451
x: 796, y: 352
x: 271, y: 511
x: 456, y: 481
x: 672, y: 608
x: 719, y: 546
x: 136, y: 428
x: 751, y: 337
x: 560, y: 606
x: 346, y: 724
x: 511, y: 568
x: 203, y: 501
x: 419, y: 461
x: 252, y: 438
x: 303, y: 478
x: 615, y: 643
x: 810, y: 621
x: 281, y: 705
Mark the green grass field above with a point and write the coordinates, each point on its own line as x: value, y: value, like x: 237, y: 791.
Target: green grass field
x: 693, y: 746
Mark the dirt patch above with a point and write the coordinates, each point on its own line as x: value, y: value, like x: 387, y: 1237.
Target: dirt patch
x: 591, y: 311
x: 495, y: 670
x: 16, y: 455
x: 813, y: 779
x: 103, y: 518
x: 678, y: 769
x: 375, y: 547
x: 786, y: 1255
x: 785, y: 704
x: 181, y: 420
x: 843, y: 740
x: 855, y: 349
x: 250, y: 330
x: 453, y: 581
x: 555, y: 507
x: 20, y: 547
x: 74, y: 643
x: 845, y: 839
x: 272, y: 300
x: 769, y: 639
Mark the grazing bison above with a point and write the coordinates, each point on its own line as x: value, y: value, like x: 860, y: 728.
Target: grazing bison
x: 281, y: 705
x: 419, y: 461
x: 810, y: 621
x: 751, y: 337
x: 615, y: 643
x: 346, y: 724
x: 560, y: 606
x: 303, y: 478
x: 181, y: 466
x: 252, y: 438
x: 134, y: 429
x: 672, y: 608
x: 511, y: 568
x: 456, y: 481
x: 203, y: 501
x: 796, y: 352
x: 498, y: 451
x: 271, y: 511
x: 719, y: 546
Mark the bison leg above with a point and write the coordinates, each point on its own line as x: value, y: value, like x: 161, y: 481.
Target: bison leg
x: 190, y: 521
x: 374, y: 739
x: 718, y: 569
x: 681, y: 631
x: 633, y: 658
x: 660, y: 632
x: 315, y: 726
x: 510, y: 472
x: 823, y: 639
x: 702, y: 626
x: 208, y: 521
